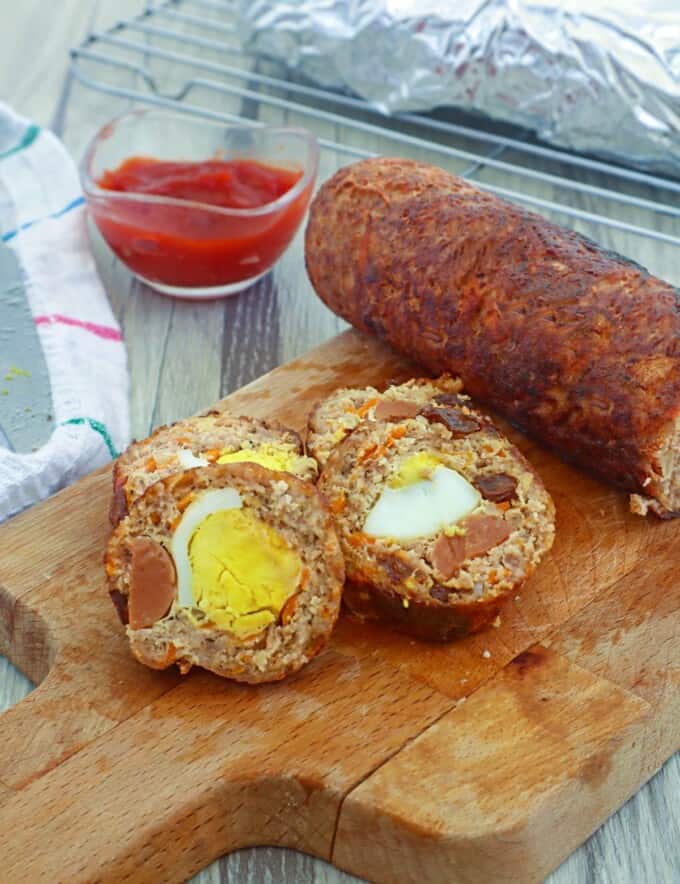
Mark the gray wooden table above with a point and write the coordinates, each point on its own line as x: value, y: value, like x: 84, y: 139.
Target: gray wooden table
x: 182, y: 357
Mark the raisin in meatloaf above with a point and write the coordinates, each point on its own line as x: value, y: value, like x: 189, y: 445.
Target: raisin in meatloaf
x: 440, y: 516
x: 232, y: 567
x: 212, y: 437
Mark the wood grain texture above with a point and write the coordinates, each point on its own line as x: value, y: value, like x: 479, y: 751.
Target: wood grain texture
x: 49, y: 630
x: 276, y: 322
x: 132, y: 799
x: 366, y: 758
x: 634, y: 645
x: 498, y: 786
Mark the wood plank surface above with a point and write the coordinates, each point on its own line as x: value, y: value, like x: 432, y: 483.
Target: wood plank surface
x: 279, y: 319
x: 369, y: 757
x: 470, y: 775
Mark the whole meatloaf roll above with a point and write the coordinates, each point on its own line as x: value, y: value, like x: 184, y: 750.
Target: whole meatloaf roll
x: 575, y: 344
x: 334, y: 418
x: 440, y: 519
x: 234, y: 568
x: 212, y: 437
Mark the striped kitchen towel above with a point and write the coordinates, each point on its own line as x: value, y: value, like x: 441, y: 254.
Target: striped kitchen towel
x: 42, y: 221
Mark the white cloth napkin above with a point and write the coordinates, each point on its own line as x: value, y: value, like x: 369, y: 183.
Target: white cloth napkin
x: 81, y: 340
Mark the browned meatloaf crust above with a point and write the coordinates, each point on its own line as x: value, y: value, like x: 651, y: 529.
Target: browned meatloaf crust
x: 575, y: 344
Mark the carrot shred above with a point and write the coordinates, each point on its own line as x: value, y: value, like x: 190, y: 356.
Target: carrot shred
x: 185, y: 501
x: 367, y: 406
x: 338, y: 503
x: 368, y: 452
x: 170, y: 656
x: 379, y: 450
x: 288, y: 610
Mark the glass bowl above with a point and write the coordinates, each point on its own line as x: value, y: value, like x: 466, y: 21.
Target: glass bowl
x: 193, y: 249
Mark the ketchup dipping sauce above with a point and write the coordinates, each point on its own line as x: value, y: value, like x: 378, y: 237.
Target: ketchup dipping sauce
x: 206, y: 227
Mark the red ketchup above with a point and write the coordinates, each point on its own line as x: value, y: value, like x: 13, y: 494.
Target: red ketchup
x: 186, y: 243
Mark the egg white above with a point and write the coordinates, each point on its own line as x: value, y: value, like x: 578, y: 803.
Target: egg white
x: 422, y: 508
x: 188, y: 459
x: 207, y: 503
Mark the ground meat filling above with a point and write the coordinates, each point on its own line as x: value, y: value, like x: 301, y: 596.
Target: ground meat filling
x: 343, y: 411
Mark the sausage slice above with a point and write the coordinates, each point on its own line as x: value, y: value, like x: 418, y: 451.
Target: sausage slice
x: 152, y: 583
x: 482, y: 533
x: 395, y: 409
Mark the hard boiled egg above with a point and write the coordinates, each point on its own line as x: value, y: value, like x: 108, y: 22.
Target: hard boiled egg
x: 423, y: 498
x: 273, y: 456
x: 188, y: 459
x: 204, y: 505
x: 232, y: 565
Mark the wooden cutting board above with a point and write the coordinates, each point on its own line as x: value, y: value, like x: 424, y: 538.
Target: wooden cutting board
x: 484, y: 760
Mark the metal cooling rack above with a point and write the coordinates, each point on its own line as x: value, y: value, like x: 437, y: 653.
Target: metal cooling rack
x: 185, y: 55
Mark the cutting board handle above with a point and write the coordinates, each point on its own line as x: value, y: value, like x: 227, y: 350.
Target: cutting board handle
x: 67, y: 639
x: 39, y: 732
x: 31, y: 645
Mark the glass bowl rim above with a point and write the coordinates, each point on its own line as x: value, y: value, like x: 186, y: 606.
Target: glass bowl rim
x: 92, y: 189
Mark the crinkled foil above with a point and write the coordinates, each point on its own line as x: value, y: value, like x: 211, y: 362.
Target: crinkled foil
x: 589, y: 75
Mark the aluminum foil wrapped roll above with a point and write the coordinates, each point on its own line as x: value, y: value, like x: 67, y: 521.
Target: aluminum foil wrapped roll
x: 590, y: 75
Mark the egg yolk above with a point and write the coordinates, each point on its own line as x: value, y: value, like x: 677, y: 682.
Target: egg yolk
x: 243, y: 571
x: 273, y: 457
x: 414, y: 469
